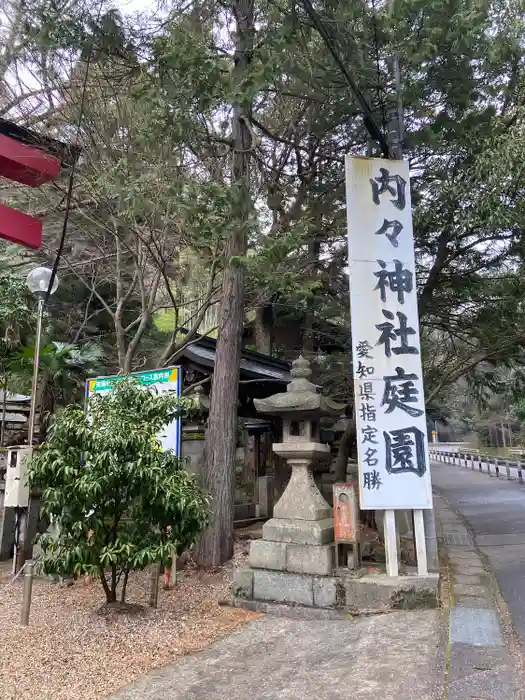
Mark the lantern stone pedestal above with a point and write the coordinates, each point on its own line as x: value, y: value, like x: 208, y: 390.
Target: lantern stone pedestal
x: 298, y: 538
x: 292, y: 565
x: 294, y: 559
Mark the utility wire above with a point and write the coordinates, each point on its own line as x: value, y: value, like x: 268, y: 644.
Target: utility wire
x: 69, y: 194
x: 371, y: 124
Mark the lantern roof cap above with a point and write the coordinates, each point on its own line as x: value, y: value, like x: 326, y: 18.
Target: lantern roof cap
x: 301, y: 397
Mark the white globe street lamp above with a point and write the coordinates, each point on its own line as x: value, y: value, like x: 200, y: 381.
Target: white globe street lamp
x: 38, y: 282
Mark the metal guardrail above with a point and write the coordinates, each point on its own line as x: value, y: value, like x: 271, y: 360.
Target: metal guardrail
x: 512, y: 469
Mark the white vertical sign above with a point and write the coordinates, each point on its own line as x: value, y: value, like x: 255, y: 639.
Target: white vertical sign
x: 390, y: 407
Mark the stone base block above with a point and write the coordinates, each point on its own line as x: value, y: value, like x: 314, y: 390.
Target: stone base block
x: 282, y: 587
x: 315, y: 532
x: 297, y: 612
x: 268, y: 555
x: 242, y: 584
x: 327, y: 592
x: 317, y: 560
x: 373, y: 592
x: 310, y: 559
x: 377, y: 593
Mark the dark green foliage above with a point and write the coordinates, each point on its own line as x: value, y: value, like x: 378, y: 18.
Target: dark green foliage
x: 63, y: 369
x: 118, y: 501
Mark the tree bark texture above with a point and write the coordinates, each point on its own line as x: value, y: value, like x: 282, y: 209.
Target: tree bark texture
x: 264, y: 329
x: 216, y: 545
x: 309, y: 317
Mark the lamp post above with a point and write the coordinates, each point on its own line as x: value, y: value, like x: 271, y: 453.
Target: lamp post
x: 38, y: 282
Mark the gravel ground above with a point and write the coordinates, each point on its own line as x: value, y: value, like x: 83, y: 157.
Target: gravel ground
x: 72, y: 651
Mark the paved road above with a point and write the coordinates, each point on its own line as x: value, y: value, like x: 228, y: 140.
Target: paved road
x: 495, y: 510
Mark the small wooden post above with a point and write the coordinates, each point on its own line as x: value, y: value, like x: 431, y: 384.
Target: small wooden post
x: 26, y: 596
x: 421, y: 549
x: 173, y: 574
x: 392, y: 568
x: 154, y: 590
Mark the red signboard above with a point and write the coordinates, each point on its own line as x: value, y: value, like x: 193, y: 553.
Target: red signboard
x: 345, y: 513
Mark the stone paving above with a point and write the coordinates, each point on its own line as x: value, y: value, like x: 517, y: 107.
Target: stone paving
x: 392, y: 657
x: 458, y: 653
x: 479, y: 664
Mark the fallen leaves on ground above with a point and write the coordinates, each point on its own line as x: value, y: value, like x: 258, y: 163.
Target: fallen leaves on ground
x: 72, y: 651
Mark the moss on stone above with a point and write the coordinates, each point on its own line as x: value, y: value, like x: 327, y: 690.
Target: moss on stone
x: 413, y: 599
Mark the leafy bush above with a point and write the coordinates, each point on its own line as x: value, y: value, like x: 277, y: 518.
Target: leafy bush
x: 119, y: 501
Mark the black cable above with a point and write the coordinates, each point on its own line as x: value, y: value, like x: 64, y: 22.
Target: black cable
x: 371, y: 124
x: 69, y: 194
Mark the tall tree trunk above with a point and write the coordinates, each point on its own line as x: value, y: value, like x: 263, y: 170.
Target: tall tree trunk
x: 216, y: 545
x: 308, y: 328
x: 264, y: 329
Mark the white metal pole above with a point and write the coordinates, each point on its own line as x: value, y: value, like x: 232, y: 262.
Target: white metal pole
x: 36, y: 361
x: 429, y: 520
x: 22, y: 520
x: 392, y: 568
x: 421, y: 547
x: 26, y: 600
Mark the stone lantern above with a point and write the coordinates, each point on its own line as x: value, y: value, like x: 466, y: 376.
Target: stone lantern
x: 299, y: 538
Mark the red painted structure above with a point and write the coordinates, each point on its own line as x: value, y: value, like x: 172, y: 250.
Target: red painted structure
x: 26, y: 164
x: 32, y: 160
x: 17, y: 227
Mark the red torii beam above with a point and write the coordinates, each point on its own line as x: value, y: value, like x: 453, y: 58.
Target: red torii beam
x: 32, y: 160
